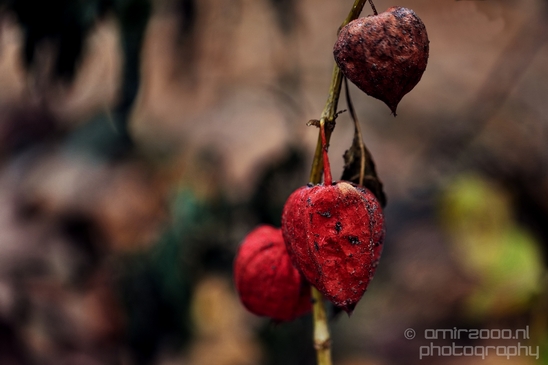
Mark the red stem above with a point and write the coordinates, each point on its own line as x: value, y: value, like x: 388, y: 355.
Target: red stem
x: 327, y: 178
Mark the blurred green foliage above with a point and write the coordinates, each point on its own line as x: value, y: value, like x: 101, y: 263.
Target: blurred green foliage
x: 503, y: 257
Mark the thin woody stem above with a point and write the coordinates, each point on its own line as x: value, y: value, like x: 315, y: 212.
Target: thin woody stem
x: 322, y: 339
x: 373, y: 7
x: 357, y: 131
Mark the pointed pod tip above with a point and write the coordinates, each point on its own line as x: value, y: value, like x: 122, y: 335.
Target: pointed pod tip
x: 349, y: 309
x: 393, y: 107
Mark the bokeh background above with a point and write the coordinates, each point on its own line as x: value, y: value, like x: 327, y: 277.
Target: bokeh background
x: 141, y: 140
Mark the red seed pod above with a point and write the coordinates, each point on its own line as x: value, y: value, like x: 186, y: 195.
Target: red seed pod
x: 266, y: 280
x: 384, y: 55
x: 334, y: 235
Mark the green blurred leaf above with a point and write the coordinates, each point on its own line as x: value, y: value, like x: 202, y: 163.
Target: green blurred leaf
x: 503, y: 258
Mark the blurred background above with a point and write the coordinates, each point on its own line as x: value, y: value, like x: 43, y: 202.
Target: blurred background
x: 141, y: 140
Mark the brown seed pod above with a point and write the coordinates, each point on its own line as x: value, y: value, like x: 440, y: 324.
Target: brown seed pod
x: 267, y: 282
x: 384, y: 55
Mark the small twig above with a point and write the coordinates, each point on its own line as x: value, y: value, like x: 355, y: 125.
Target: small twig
x: 373, y: 7
x: 339, y: 113
x: 357, y: 131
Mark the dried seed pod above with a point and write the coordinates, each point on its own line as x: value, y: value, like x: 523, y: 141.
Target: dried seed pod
x: 334, y: 234
x: 267, y: 282
x: 384, y: 55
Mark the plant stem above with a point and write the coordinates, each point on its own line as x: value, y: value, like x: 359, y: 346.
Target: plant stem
x: 357, y: 131
x: 327, y: 177
x: 330, y: 110
x: 322, y: 338
x: 373, y: 7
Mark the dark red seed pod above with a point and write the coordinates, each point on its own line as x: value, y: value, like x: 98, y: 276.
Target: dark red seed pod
x: 266, y: 280
x: 384, y: 55
x: 334, y: 235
